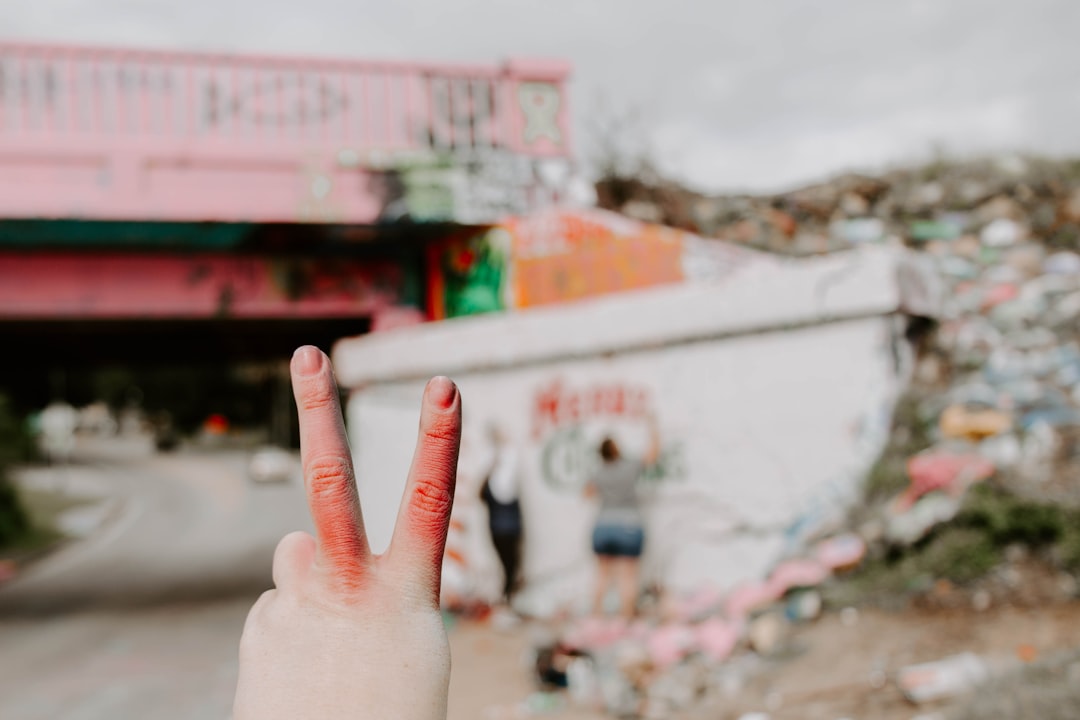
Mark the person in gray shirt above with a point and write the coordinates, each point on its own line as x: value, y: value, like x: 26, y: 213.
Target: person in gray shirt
x: 619, y: 533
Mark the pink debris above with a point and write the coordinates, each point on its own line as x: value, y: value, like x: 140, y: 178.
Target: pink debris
x: 744, y: 599
x: 668, y: 644
x: 999, y: 294
x: 717, y: 639
x: 594, y: 633
x: 950, y: 472
x: 638, y: 630
x: 698, y: 604
x: 797, y: 573
x: 841, y: 552
x: 7, y: 570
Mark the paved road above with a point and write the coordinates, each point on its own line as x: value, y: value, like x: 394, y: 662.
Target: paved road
x: 142, y: 618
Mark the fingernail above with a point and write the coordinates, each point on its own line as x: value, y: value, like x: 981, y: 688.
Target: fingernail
x: 307, y: 360
x: 442, y: 391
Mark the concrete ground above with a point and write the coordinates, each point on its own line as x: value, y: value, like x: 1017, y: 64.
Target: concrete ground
x: 141, y: 618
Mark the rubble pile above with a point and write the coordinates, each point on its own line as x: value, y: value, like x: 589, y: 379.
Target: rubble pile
x: 982, y: 468
x: 693, y: 651
x: 995, y: 396
x: 941, y: 200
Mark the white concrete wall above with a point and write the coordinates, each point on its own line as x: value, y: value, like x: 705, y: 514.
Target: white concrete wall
x: 767, y: 293
x: 760, y: 430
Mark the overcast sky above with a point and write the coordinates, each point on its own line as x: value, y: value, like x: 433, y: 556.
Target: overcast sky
x: 753, y: 94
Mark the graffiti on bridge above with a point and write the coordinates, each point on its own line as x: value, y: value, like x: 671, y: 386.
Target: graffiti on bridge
x: 540, y: 104
x: 473, y: 273
x: 281, y: 101
x: 463, y: 113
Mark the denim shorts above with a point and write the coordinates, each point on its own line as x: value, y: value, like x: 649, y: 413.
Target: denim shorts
x: 618, y: 540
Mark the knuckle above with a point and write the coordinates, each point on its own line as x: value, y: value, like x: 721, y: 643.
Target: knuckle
x: 319, y: 397
x: 330, y: 477
x: 443, y: 430
x: 442, y: 434
x: 431, y: 502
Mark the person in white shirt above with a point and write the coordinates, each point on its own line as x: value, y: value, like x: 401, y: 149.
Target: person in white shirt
x: 922, y: 295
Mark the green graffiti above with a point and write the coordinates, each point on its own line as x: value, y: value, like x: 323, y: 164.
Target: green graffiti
x: 474, y: 270
x: 568, y: 459
x: 670, y: 466
x: 429, y: 193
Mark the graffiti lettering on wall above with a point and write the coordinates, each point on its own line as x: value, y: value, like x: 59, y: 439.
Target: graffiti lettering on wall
x: 463, y: 111
x: 481, y: 188
x: 561, y: 419
x: 572, y: 256
x: 419, y: 189
x: 560, y: 255
x: 282, y: 101
x: 568, y: 458
x: 670, y: 464
x: 497, y: 184
x: 368, y: 105
x: 557, y: 405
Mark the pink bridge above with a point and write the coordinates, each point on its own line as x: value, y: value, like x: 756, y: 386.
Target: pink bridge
x: 106, y: 134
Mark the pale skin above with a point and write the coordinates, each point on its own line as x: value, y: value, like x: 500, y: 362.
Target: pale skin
x: 346, y: 633
x: 622, y: 572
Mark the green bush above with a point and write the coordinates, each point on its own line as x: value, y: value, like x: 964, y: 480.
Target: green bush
x: 1069, y: 548
x: 1008, y: 519
x: 968, y: 547
x: 959, y: 554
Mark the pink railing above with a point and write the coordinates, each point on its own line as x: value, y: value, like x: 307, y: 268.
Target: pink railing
x: 106, y: 93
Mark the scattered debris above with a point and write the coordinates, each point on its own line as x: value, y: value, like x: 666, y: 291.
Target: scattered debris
x: 1046, y: 688
x: 943, y: 679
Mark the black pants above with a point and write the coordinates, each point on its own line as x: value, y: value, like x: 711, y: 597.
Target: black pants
x: 508, y: 548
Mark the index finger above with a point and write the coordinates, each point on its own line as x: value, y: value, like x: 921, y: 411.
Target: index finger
x: 328, y: 469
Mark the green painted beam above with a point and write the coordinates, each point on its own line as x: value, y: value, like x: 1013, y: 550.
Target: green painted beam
x: 84, y: 234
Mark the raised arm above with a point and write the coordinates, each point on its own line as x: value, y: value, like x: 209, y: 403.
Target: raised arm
x: 652, y: 454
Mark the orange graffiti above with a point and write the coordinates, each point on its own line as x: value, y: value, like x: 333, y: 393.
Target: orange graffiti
x: 571, y: 257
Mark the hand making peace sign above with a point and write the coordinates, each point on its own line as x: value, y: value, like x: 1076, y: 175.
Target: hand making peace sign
x: 345, y: 633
